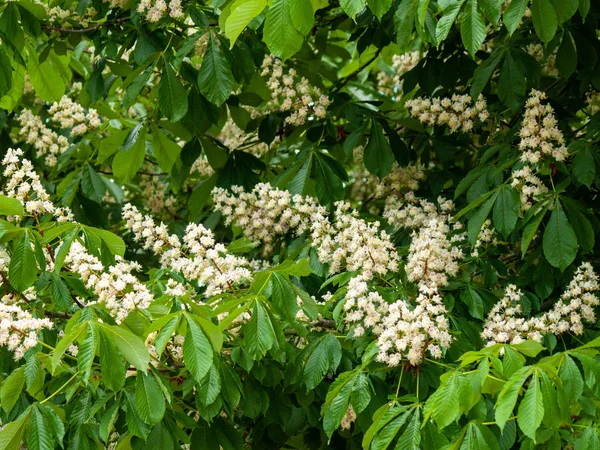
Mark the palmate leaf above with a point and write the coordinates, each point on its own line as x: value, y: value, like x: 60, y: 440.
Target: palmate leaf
x: 259, y: 335
x: 507, y: 398
x: 197, y: 350
x: 149, y: 399
x: 324, y: 359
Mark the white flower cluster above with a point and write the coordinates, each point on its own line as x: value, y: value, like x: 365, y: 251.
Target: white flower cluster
x: 346, y: 241
x: 457, y: 112
x: 266, y: 213
x: 24, y: 184
x: 233, y: 137
x: 485, y: 236
x: 592, y: 100
x: 505, y: 325
x: 18, y: 328
x: 391, y: 86
x: 367, y: 186
x: 529, y: 185
x: 156, y: 9
x: 412, y: 212
x: 116, y: 287
x: 540, y: 137
x: 72, y: 115
x: 364, y: 308
x: 411, y: 331
x: 548, y: 63
x: 289, y: 94
x: 44, y: 140
x: 154, y: 192
x: 200, y: 259
x: 173, y: 347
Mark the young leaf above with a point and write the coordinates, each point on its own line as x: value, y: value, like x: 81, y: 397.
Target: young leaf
x: 10, y: 206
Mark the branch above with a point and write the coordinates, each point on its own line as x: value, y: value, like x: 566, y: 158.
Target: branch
x: 86, y: 30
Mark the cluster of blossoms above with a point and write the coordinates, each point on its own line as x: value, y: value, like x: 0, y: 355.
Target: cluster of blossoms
x: 539, y: 134
x: 411, y: 212
x: 233, y: 137
x: 485, y: 237
x: 529, y: 185
x: 44, y: 140
x: 24, y: 184
x: 592, y: 101
x: 548, y: 63
x: 367, y: 186
x: 390, y: 86
x: 116, y: 287
x: 72, y: 115
x: 343, y: 242
x: 505, y: 325
x: 156, y: 9
x: 200, y: 258
x: 289, y: 94
x: 18, y: 328
x: 154, y: 192
x: 364, y: 308
x: 410, y: 331
x: 457, y: 112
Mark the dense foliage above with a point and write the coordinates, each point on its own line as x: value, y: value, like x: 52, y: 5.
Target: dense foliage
x: 299, y: 224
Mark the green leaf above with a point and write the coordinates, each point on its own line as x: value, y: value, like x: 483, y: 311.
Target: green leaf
x: 560, y: 241
x: 172, y: 96
x: 506, y: 210
x: 378, y: 156
x: 507, y: 398
x: 404, y: 21
x: 87, y: 352
x: 329, y: 186
x: 302, y: 16
x: 11, y: 389
x: 529, y: 348
x: 531, y: 409
x: 5, y: 73
x: 447, y: 20
x: 474, y: 301
x: 34, y: 375
x: 22, y: 270
x: 92, y: 185
x: 112, y: 366
x: 492, y: 10
x: 570, y: 376
x: 45, y: 77
x: 531, y: 229
x: 565, y: 9
x: 197, y: 350
x: 478, y: 219
x: 242, y: 12
x: 566, y: 58
x: 353, y: 7
x: 479, y: 437
x: 11, y: 434
x: 10, y: 206
x: 259, y: 334
x: 215, y: 79
x: 210, y: 386
x: 149, y: 399
x: 324, y: 359
x: 472, y: 27
x: 511, y: 83
x: 38, y: 432
x: 131, y: 157
x: 445, y: 401
x: 164, y: 149
x: 584, y: 165
x: 410, y: 439
x: 544, y: 18
x: 129, y: 345
x: 379, y: 7
x: 279, y: 33
x: 584, y: 8
x: 513, y: 14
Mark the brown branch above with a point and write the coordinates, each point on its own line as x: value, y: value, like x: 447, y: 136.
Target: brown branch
x: 86, y: 30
